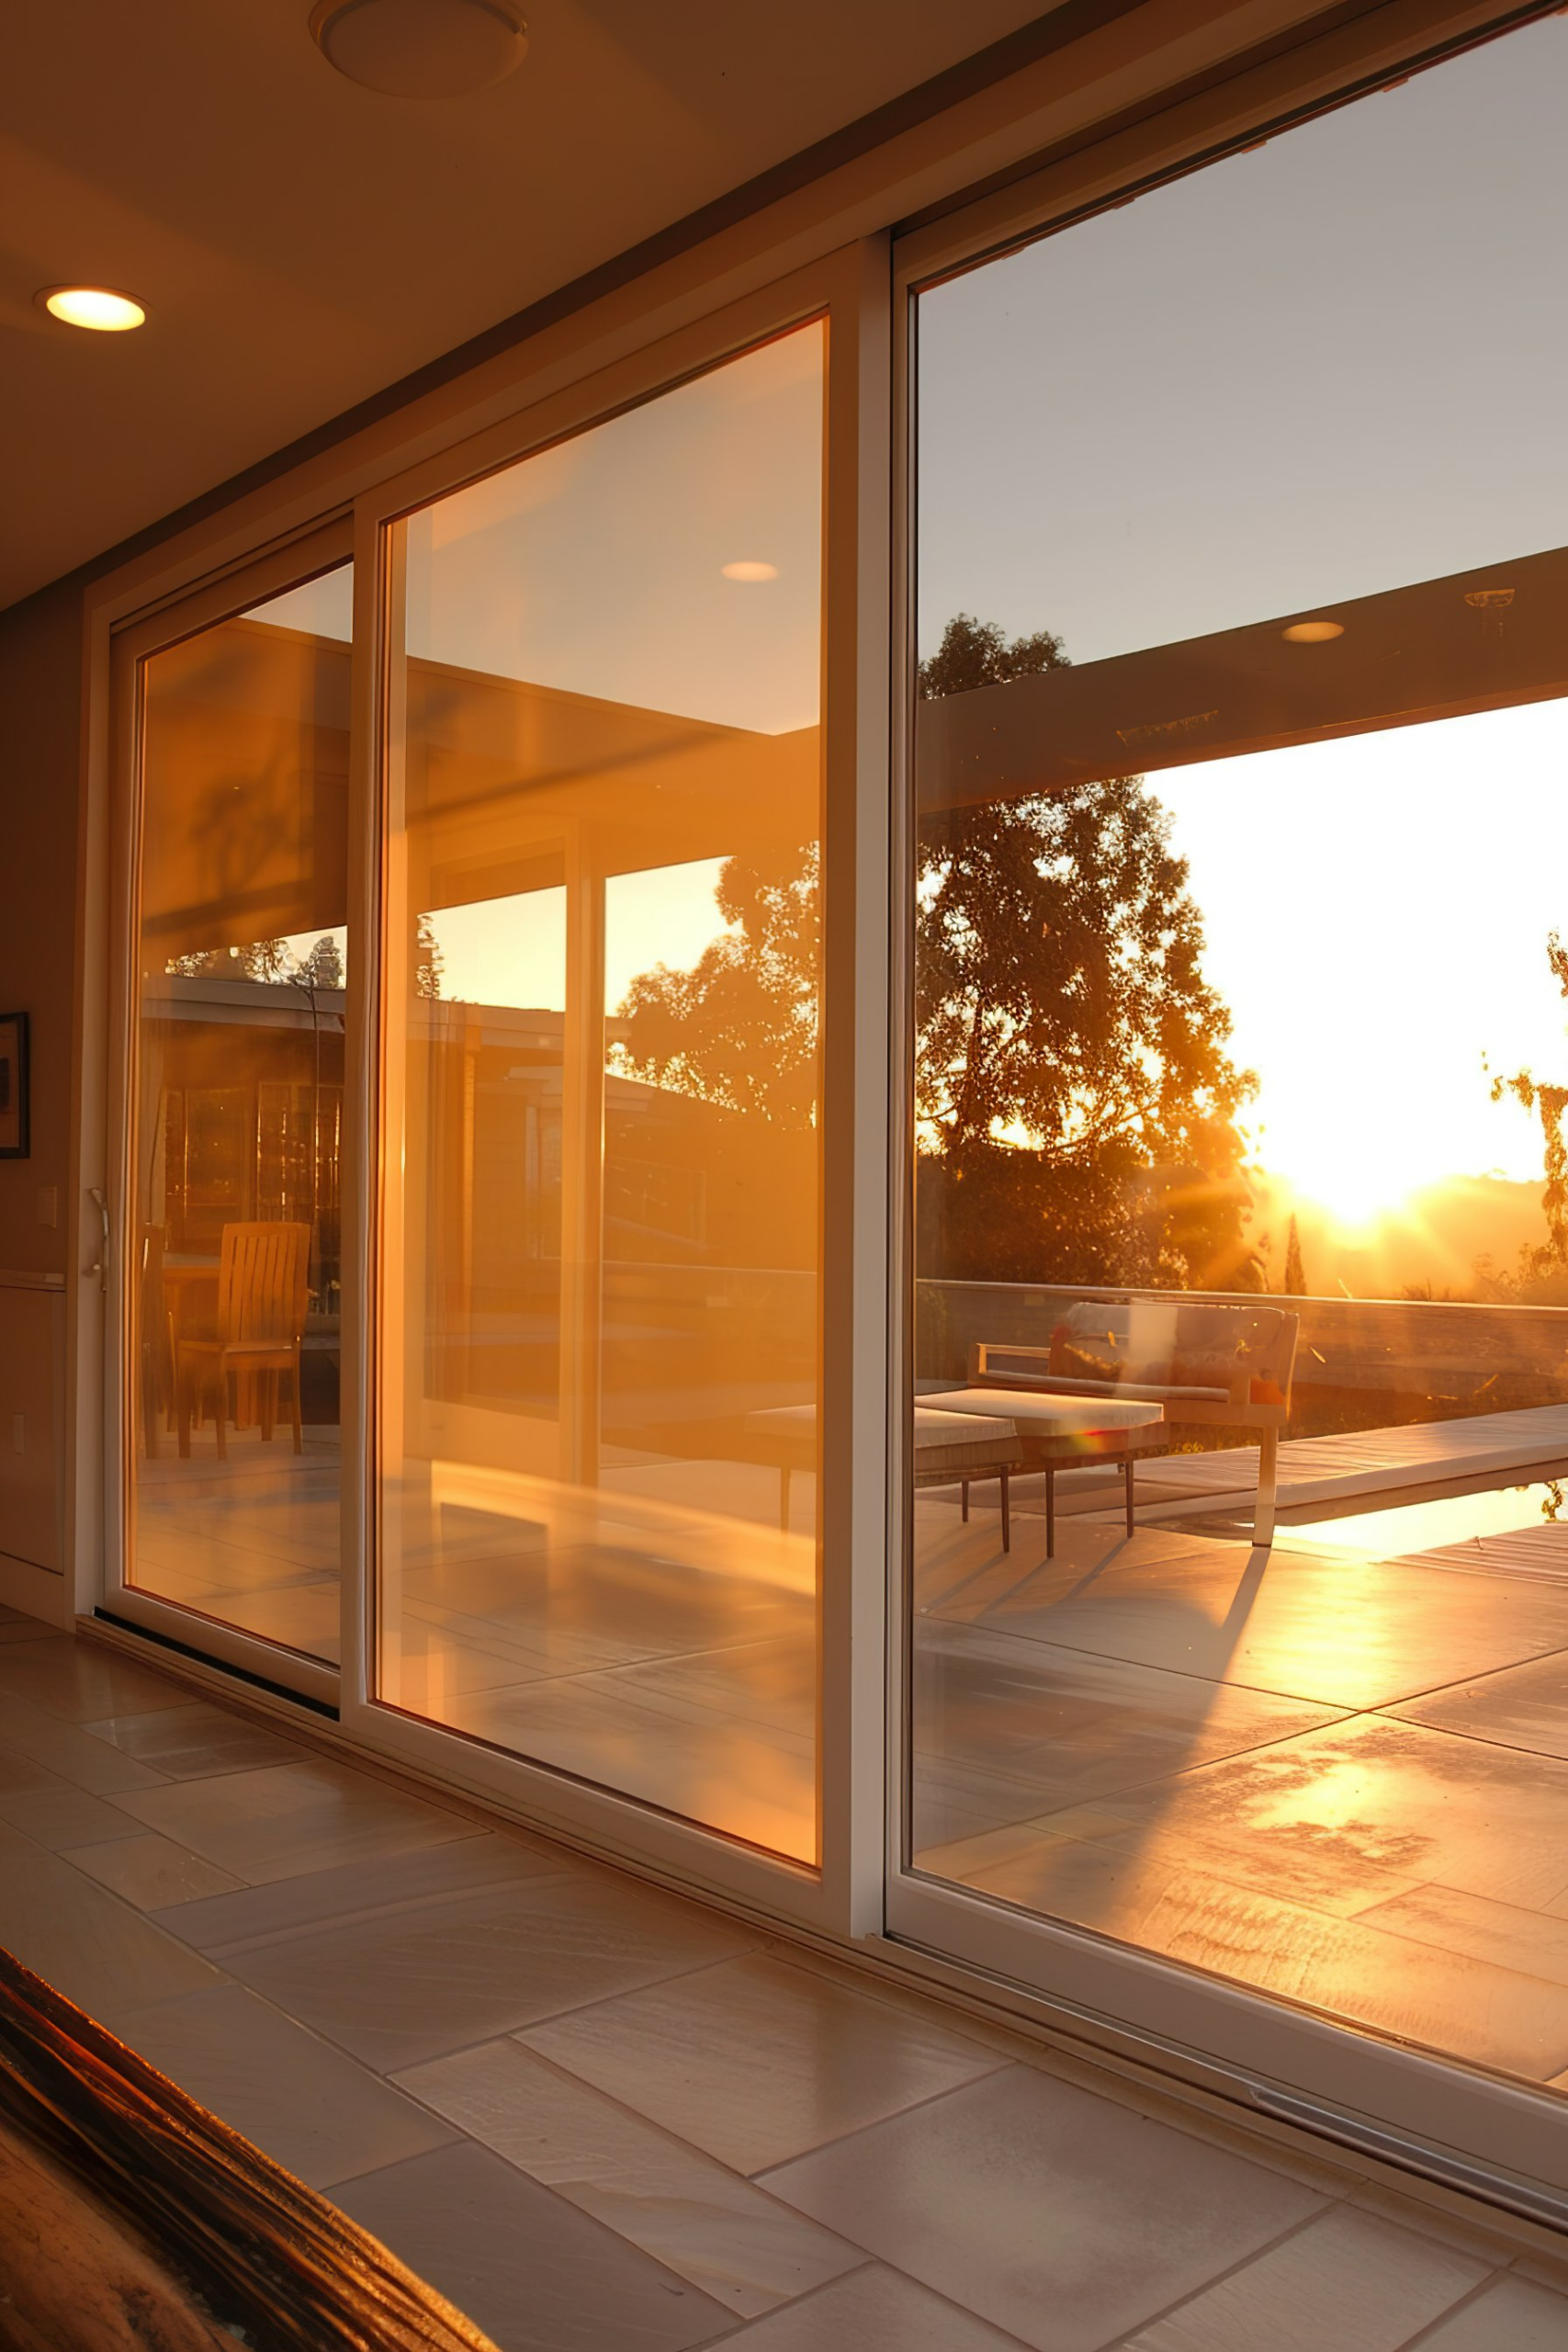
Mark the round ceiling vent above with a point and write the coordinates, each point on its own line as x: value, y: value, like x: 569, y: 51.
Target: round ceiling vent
x: 421, y: 49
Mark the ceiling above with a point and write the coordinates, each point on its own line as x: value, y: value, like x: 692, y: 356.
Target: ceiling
x: 300, y: 243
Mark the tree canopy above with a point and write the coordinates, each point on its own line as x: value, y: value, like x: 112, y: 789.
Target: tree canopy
x: 1062, y: 1016
x: 1076, y: 1102
x: 740, y: 1028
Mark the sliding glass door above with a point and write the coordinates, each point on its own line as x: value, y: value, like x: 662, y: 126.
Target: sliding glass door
x: 600, y: 1405
x: 231, y: 1250
x: 1238, y: 1637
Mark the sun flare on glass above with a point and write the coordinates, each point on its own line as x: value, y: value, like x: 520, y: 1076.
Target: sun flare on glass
x: 97, y: 307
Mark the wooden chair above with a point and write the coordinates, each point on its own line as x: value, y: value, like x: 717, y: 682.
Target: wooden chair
x: 157, y: 1342
x: 263, y: 1288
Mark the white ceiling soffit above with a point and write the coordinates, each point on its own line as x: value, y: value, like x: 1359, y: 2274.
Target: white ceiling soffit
x: 300, y: 242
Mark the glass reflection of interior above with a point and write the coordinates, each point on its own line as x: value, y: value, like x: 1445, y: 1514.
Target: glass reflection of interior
x: 600, y: 1418
x: 1240, y: 1556
x: 236, y: 1298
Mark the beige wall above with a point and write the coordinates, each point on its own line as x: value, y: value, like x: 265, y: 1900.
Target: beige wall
x: 40, y: 694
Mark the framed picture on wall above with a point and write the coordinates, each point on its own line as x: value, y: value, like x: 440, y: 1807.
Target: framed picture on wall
x: 13, y: 1086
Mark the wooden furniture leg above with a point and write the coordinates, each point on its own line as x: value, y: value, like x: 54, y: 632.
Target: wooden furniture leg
x: 1268, y: 1488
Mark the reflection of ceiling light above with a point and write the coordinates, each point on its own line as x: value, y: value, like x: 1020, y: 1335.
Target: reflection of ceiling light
x: 93, y: 306
x: 421, y: 49
x: 1312, y: 632
x: 751, y: 570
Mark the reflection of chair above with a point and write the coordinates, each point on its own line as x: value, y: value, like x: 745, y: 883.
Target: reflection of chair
x: 263, y: 1273
x: 157, y: 1350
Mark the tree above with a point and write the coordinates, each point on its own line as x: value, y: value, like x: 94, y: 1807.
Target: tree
x: 1076, y: 1104
x: 1548, y: 1104
x: 740, y: 1028
x: 1064, y: 1020
x: 1295, y: 1271
x: 430, y: 964
x: 322, y: 967
x: 259, y: 959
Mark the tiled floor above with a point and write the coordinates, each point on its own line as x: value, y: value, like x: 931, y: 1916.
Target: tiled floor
x: 602, y: 2120
x: 1338, y: 1777
x: 1341, y: 1777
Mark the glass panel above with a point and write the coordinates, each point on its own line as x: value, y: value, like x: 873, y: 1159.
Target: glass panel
x: 600, y: 1418
x: 235, y: 1303
x: 1240, y: 1076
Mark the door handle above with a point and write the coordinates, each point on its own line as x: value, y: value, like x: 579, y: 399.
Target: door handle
x: 100, y: 1265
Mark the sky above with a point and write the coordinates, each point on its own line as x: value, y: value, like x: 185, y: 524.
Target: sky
x: 1330, y: 367
x: 599, y: 566
x: 1377, y: 909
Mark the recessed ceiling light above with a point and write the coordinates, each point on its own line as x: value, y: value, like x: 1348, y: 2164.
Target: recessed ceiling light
x: 421, y: 49
x: 93, y: 306
x: 1312, y: 632
x: 751, y: 570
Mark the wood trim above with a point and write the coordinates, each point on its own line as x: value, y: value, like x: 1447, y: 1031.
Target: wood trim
x: 264, y: 2252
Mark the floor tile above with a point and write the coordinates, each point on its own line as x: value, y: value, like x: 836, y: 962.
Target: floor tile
x: 735, y: 2242
x: 1533, y: 1941
x: 873, y: 2310
x: 19, y: 1771
x: 194, y: 1742
x: 285, y: 1906
x: 63, y: 1748
x: 1498, y: 2017
x: 410, y: 1985
x: 1347, y: 2280
x: 16, y: 1627
x: 756, y: 2061
x: 1062, y: 2217
x: 300, y: 2102
x: 152, y: 1871
x: 536, y: 2275
x: 1511, y: 2316
x: 1522, y: 1706
x: 292, y: 1819
x: 747, y: 1779
x: 1074, y: 1726
x: 1087, y: 1863
x: 82, y: 1681
x: 1393, y: 1796
x: 1346, y: 1632
x: 90, y: 1946
x: 65, y: 1816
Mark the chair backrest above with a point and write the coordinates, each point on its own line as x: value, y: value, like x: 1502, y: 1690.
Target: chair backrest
x: 263, y: 1284
x: 1181, y: 1342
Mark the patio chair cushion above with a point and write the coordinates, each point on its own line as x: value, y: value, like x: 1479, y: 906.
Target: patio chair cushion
x: 1051, y: 1414
x: 977, y: 1424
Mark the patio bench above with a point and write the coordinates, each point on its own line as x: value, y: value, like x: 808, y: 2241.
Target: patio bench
x: 1198, y: 1361
x: 1057, y: 1430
